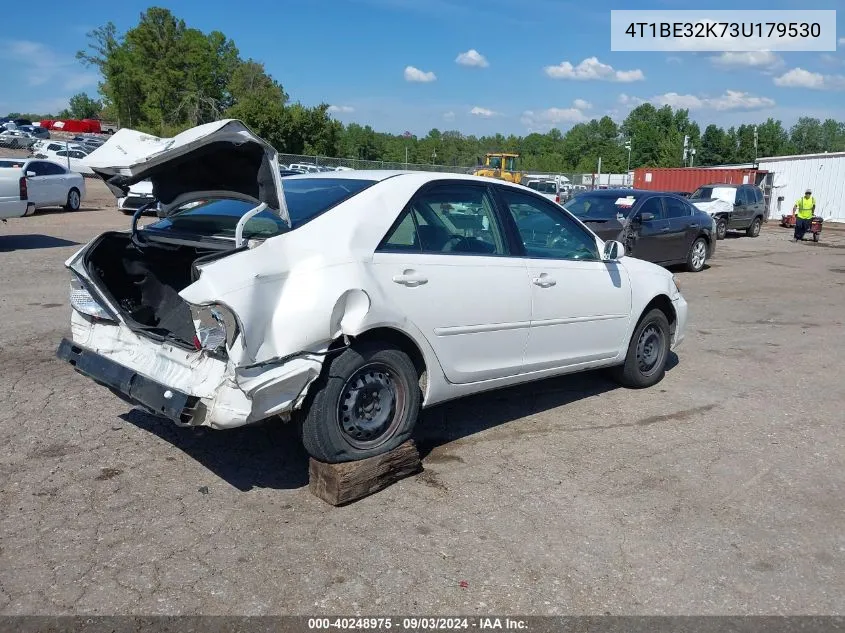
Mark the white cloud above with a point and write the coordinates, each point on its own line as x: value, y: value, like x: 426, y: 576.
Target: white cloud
x: 553, y: 116
x: 592, y: 69
x: 629, y: 100
x: 674, y: 59
x: 748, y: 59
x: 472, y: 58
x: 41, y: 65
x: 730, y: 100
x: 800, y: 78
x: 341, y: 109
x: 449, y: 116
x: 736, y: 100
x: 581, y: 104
x: 417, y: 75
x: 483, y: 112
x: 842, y: 41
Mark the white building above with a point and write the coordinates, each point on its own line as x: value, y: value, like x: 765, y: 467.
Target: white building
x: 791, y: 175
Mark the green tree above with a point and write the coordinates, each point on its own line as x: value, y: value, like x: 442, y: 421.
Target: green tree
x: 81, y: 106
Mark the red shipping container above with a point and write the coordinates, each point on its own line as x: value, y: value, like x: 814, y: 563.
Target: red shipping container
x: 688, y: 179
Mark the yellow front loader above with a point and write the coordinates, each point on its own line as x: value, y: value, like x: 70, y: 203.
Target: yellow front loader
x: 500, y: 165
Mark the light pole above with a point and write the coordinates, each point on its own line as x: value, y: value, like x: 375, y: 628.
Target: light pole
x: 628, y: 147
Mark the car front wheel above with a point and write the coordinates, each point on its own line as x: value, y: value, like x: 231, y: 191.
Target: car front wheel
x: 648, y: 352
x: 721, y: 228
x: 366, y: 403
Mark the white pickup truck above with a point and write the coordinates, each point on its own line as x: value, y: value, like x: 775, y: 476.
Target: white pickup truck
x: 27, y: 184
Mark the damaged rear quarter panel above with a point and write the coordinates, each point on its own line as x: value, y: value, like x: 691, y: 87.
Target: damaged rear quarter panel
x: 300, y: 290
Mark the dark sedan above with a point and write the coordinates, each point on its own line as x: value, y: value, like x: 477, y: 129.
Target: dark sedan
x: 659, y: 227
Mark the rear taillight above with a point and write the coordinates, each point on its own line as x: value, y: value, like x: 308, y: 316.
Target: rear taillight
x: 23, y: 188
x: 557, y: 198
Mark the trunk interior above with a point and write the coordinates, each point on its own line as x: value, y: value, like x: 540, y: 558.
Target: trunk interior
x: 145, y: 281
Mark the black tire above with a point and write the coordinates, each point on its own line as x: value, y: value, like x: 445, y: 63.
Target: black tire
x: 697, y: 256
x: 74, y: 200
x: 754, y: 229
x: 815, y: 237
x: 631, y: 374
x: 721, y: 228
x: 330, y: 436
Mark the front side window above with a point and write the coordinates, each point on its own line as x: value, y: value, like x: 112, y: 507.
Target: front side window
x: 453, y: 219
x: 52, y: 169
x: 654, y: 206
x: 546, y: 231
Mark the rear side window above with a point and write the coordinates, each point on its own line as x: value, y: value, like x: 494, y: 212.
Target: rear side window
x: 676, y: 208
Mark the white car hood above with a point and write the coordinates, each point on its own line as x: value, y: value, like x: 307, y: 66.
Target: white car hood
x: 223, y: 157
x: 714, y: 206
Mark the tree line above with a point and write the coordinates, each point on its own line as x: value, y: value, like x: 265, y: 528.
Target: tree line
x: 163, y: 77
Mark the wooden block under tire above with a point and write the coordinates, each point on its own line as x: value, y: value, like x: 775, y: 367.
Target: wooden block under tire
x: 339, y: 484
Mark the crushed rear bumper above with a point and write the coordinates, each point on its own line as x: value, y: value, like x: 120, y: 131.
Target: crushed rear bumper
x: 129, y: 384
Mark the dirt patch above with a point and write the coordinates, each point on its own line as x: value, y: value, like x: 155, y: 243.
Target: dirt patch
x: 108, y: 473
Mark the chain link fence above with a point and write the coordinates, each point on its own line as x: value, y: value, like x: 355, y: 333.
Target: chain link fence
x: 294, y: 160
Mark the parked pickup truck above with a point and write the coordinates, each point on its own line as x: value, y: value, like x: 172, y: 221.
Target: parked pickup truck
x: 14, y: 201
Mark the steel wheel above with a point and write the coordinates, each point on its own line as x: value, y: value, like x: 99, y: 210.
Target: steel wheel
x: 699, y: 254
x: 650, y: 349
x: 371, y: 407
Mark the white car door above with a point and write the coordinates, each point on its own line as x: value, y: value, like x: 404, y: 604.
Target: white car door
x: 446, y: 266
x: 38, y: 186
x: 58, y: 179
x: 581, y: 304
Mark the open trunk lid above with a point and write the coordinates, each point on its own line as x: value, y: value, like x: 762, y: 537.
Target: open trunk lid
x: 220, y: 158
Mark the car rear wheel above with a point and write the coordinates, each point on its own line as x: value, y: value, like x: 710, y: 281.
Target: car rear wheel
x: 648, y: 352
x: 697, y: 255
x: 721, y: 228
x: 366, y: 403
x: 73, y: 200
x: 754, y: 229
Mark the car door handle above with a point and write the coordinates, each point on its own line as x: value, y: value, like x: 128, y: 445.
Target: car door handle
x: 410, y: 278
x: 694, y: 226
x: 544, y: 281
x: 665, y: 229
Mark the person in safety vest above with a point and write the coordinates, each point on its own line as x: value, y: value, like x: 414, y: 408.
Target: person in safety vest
x: 804, y: 210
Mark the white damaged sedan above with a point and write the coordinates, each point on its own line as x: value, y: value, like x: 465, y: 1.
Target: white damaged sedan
x: 345, y: 301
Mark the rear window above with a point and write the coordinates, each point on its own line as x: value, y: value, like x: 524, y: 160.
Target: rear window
x: 591, y: 207
x: 543, y: 187
x: 306, y: 199
x: 11, y: 164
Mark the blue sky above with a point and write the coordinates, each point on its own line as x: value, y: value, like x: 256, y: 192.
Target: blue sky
x: 478, y: 67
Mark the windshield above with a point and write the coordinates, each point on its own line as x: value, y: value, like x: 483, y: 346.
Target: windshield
x: 714, y: 193
x: 6, y: 164
x: 306, y: 199
x: 495, y: 162
x: 591, y: 207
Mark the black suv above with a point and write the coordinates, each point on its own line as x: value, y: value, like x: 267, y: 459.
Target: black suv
x: 749, y: 207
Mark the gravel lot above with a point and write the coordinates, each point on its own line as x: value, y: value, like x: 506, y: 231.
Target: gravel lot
x: 720, y: 491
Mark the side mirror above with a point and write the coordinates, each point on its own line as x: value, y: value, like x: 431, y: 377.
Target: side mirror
x: 30, y: 174
x: 613, y: 251
x: 645, y: 217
